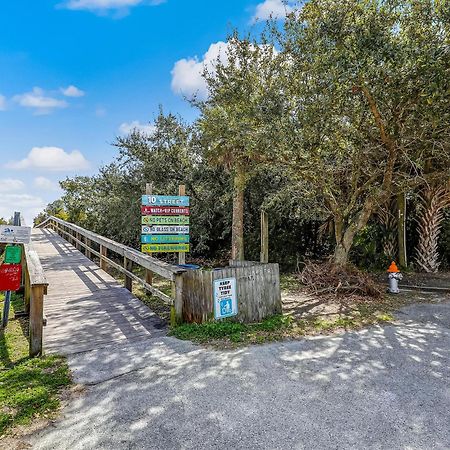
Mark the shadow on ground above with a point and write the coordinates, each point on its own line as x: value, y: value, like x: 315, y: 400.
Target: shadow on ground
x: 383, y: 387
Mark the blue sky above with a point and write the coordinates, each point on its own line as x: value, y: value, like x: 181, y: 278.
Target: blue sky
x: 74, y: 74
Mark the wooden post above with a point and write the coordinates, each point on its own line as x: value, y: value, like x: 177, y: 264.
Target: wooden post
x: 176, y: 311
x: 103, y: 252
x: 148, y: 273
x: 36, y: 319
x: 181, y: 255
x: 401, y: 208
x: 264, y: 237
x: 78, y: 237
x: 87, y: 252
x: 128, y: 265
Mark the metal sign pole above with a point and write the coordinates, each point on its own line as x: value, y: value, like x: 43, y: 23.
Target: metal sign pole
x: 6, y: 309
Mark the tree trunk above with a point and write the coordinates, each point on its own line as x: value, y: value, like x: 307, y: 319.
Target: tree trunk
x: 344, y: 241
x: 401, y: 208
x: 237, y: 237
x: 433, y: 202
x: 340, y: 256
x: 345, y: 237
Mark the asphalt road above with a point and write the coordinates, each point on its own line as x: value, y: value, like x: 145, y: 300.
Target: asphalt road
x: 379, y: 388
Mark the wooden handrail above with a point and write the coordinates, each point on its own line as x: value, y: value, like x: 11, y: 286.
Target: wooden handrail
x: 35, y: 288
x: 74, y: 234
x: 168, y: 271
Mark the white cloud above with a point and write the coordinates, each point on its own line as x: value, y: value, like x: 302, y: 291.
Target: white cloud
x: 51, y: 158
x: 72, y: 91
x: 10, y: 185
x: 107, y: 5
x: 37, y: 100
x: 272, y: 8
x: 100, y: 111
x: 187, y: 73
x: 2, y: 102
x: 127, y: 128
x: 28, y: 205
x: 45, y: 184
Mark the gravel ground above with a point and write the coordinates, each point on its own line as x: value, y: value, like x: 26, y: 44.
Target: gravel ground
x: 379, y: 388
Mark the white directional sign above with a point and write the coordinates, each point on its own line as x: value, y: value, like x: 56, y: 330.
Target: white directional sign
x: 10, y: 234
x: 165, y: 229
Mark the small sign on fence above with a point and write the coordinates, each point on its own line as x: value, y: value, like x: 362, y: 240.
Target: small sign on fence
x: 13, y: 254
x: 225, y: 298
x: 10, y: 277
x: 10, y: 234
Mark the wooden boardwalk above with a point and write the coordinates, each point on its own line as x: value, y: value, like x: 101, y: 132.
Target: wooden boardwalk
x: 85, y: 307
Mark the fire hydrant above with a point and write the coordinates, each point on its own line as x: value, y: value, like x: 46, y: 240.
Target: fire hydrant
x: 394, y: 277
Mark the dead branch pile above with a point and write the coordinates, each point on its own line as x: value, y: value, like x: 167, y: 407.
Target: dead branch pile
x: 328, y: 278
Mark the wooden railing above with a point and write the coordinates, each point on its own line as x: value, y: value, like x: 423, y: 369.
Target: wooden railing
x: 35, y: 288
x: 85, y: 239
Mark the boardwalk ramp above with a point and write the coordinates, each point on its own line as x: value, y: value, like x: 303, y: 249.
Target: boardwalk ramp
x: 85, y: 307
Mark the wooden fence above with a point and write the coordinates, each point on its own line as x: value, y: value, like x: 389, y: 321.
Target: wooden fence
x: 35, y: 288
x: 85, y: 239
x: 258, y: 291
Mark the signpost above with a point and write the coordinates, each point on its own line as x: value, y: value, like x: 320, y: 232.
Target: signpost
x: 225, y: 298
x: 165, y: 223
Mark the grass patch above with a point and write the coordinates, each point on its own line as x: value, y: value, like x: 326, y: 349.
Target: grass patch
x: 226, y: 331
x: 29, y: 387
x: 228, y: 334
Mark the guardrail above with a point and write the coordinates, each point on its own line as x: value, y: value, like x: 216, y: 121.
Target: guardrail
x: 82, y: 238
x: 35, y: 288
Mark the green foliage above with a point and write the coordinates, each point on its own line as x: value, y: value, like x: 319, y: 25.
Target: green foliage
x: 367, y: 248
x: 234, y: 332
x: 351, y: 108
x: 30, y: 389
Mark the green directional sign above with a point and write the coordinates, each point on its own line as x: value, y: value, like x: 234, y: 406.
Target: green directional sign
x: 167, y: 248
x: 165, y: 239
x: 13, y: 254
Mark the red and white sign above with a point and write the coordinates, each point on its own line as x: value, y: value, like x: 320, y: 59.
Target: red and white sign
x: 10, y: 277
x: 164, y: 211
